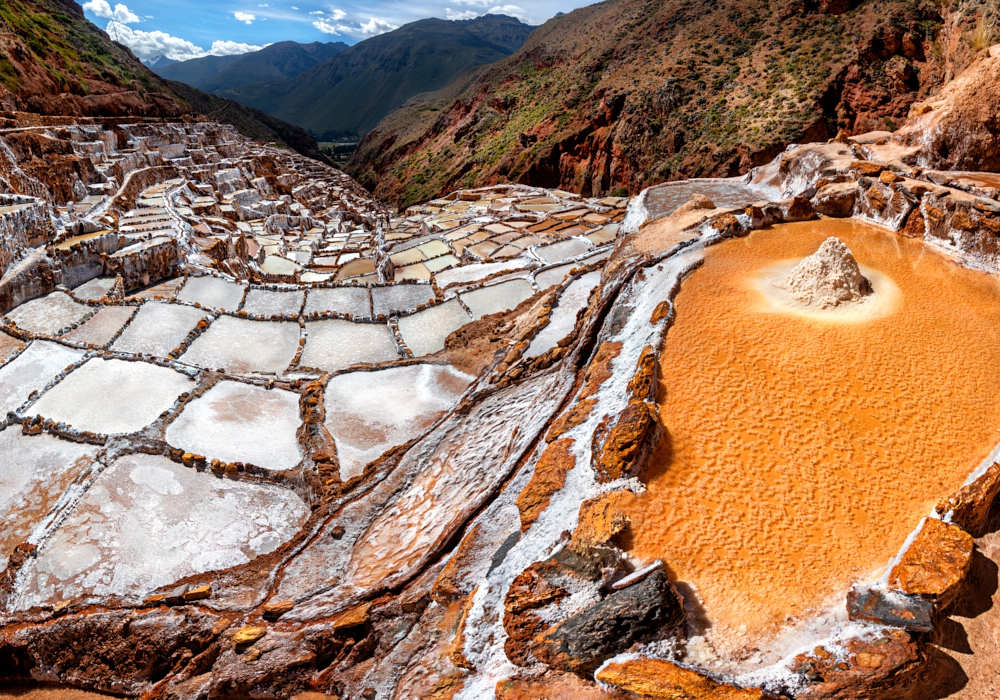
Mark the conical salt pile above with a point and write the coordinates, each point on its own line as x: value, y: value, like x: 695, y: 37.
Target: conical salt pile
x: 827, y: 278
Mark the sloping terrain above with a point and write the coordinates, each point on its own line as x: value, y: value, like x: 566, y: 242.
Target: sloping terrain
x: 285, y: 59
x: 624, y: 93
x: 351, y: 92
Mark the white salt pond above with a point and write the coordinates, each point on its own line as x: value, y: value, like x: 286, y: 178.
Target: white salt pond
x: 31, y: 371
x: 563, y: 317
x: 553, y: 276
x: 49, y: 314
x: 265, y: 302
x: 498, y: 297
x: 334, y: 344
x: 212, y: 292
x: 112, y: 397
x: 400, y: 297
x: 34, y: 473
x: 147, y: 522
x: 476, y: 272
x: 369, y: 413
x: 158, y: 328
x: 103, y: 326
x: 236, y: 422
x: 95, y: 288
x: 561, y: 250
x: 425, y: 331
x: 345, y: 300
x: 240, y: 345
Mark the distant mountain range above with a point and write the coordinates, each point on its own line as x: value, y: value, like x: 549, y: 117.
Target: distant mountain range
x: 276, y: 62
x: 333, y: 90
x: 158, y: 62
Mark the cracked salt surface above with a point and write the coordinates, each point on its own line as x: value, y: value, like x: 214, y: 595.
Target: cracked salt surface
x: 102, y: 326
x: 400, y: 297
x: 365, y: 425
x: 158, y: 328
x: 48, y: 314
x: 335, y: 344
x: 496, y: 298
x: 345, y: 300
x: 240, y: 345
x: 34, y: 473
x: 265, y: 302
x: 425, y: 331
x: 111, y: 397
x: 147, y: 521
x: 31, y: 371
x: 236, y: 422
x: 212, y: 292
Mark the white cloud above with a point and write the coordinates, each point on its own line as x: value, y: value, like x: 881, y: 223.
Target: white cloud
x: 453, y: 15
x: 510, y: 10
x: 146, y: 45
x: 326, y: 27
x: 120, y: 14
x: 318, y: 13
x: 294, y: 7
x: 338, y: 15
x: 374, y: 27
x: 245, y: 17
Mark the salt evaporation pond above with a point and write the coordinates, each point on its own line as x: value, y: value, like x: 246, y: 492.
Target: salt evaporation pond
x: 343, y: 300
x: 95, y: 288
x: 266, y: 302
x: 241, y: 345
x: 400, y: 297
x: 158, y: 329
x: 335, y: 344
x: 496, y: 298
x: 728, y: 193
x: 30, y: 371
x: 49, y: 314
x: 804, y: 448
x: 425, y: 331
x: 101, y: 328
x: 237, y: 422
x: 147, y: 522
x: 563, y: 318
x: 212, y: 292
x: 34, y: 473
x: 111, y: 397
x: 561, y: 250
x: 369, y: 413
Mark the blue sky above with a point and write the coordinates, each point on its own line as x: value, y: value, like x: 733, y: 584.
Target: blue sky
x: 183, y: 29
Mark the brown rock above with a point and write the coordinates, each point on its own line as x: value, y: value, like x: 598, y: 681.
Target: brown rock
x: 658, y: 678
x: 836, y: 199
x: 873, y: 605
x: 936, y: 561
x: 874, y: 669
x: 198, y: 593
x: 601, y: 518
x: 548, y: 477
x: 599, y: 370
x: 970, y: 507
x: 353, y: 618
x: 661, y: 311
x: 625, y: 448
x: 571, y: 418
x: 915, y: 226
x: 553, y: 685
x: 248, y: 635
x: 866, y: 168
x: 642, y: 386
x: 887, y: 177
x: 276, y: 609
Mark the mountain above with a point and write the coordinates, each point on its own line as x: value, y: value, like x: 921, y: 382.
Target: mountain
x: 158, y: 62
x: 53, y: 61
x: 285, y: 59
x: 349, y: 93
x: 621, y: 94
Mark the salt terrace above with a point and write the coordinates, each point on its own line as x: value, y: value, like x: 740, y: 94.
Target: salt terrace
x: 262, y: 435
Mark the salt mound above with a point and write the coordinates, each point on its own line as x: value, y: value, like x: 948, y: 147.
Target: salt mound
x: 827, y: 278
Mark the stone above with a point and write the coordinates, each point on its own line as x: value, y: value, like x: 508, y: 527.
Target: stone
x: 624, y: 450
x: 970, y: 506
x: 659, y: 678
x: 353, y: 618
x: 248, y: 635
x: 570, y: 419
x: 635, y: 614
x: 836, y: 199
x: 548, y: 477
x: 276, y: 609
x: 198, y: 593
x: 890, y: 608
x: 936, y: 562
x: 601, y: 518
x: 878, y: 667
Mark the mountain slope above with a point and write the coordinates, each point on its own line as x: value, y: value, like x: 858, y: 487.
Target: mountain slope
x: 351, y: 92
x: 624, y: 93
x: 275, y: 62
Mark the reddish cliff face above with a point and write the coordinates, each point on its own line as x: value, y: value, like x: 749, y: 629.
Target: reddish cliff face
x: 53, y: 61
x: 618, y: 95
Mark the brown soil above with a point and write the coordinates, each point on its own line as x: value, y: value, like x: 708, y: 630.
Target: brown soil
x: 802, y: 453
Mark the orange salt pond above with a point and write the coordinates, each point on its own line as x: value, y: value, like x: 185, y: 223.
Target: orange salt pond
x: 804, y: 448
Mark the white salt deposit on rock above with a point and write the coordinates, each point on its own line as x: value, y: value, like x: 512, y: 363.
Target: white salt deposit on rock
x: 827, y: 278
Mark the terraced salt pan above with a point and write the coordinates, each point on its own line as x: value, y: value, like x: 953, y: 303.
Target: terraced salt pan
x: 147, y: 522
x: 158, y: 328
x: 8, y: 346
x: 334, y: 344
x: 425, y: 331
x: 236, y: 422
x: 563, y: 317
x: 103, y: 326
x: 212, y: 292
x: 31, y: 371
x: 475, y: 272
x: 369, y: 413
x: 34, y: 473
x: 345, y: 300
x: 241, y: 345
x: 49, y: 314
x: 400, y: 297
x: 804, y: 450
x: 562, y: 250
x: 553, y: 276
x: 95, y: 288
x: 265, y: 302
x: 498, y: 297
x: 724, y: 192
x: 111, y: 397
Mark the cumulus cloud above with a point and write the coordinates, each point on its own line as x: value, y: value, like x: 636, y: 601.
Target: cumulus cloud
x: 452, y: 14
x: 120, y: 14
x: 146, y: 45
x: 318, y: 13
x: 509, y: 10
x: 375, y: 26
x: 245, y: 17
